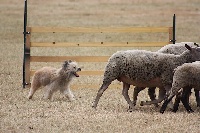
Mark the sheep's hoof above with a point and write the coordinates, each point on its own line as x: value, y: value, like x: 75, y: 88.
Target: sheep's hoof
x: 130, y: 110
x: 156, y: 105
x: 134, y: 103
x: 162, y: 111
x: 142, y: 103
x: 174, y: 110
x: 190, y: 111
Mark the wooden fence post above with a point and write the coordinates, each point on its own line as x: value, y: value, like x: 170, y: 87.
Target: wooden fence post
x: 170, y: 35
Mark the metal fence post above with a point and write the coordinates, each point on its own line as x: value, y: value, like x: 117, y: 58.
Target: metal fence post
x: 174, y: 29
x: 25, y: 24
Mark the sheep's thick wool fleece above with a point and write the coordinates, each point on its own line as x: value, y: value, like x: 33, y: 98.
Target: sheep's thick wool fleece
x: 187, y: 74
x: 142, y: 65
x: 176, y: 49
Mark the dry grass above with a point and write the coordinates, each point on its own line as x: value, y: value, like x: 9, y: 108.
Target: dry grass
x: 17, y: 114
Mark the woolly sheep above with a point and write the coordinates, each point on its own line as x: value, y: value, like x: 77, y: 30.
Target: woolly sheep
x: 176, y: 49
x: 143, y: 68
x: 185, y: 75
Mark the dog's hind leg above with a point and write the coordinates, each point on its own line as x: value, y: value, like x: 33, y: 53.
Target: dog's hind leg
x: 34, y: 86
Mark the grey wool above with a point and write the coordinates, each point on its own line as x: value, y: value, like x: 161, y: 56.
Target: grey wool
x: 177, y: 49
x: 185, y: 75
x: 143, y: 68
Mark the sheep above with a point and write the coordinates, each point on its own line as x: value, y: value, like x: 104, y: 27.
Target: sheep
x: 143, y: 68
x: 176, y: 49
x: 185, y: 75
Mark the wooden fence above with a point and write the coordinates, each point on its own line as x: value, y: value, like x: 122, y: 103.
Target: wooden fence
x: 28, y: 44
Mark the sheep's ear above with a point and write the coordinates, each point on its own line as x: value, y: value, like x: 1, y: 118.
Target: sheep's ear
x: 188, y: 47
x: 196, y: 44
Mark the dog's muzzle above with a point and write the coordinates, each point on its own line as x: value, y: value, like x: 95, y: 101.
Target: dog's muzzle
x: 79, y: 69
x: 76, y: 74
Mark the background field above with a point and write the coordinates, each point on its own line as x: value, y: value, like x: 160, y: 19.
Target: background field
x: 17, y: 114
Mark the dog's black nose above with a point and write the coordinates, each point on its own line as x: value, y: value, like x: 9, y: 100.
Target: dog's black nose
x: 79, y: 69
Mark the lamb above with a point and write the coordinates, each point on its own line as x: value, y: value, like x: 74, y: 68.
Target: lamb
x: 143, y: 68
x: 176, y: 49
x: 185, y: 75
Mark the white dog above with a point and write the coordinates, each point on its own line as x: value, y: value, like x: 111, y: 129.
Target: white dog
x: 55, y: 79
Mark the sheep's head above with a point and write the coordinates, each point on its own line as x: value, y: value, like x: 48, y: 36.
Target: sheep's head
x: 195, y: 53
x: 71, y: 67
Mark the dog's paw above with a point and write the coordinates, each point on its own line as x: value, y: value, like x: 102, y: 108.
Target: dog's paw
x: 29, y: 97
x: 72, y: 99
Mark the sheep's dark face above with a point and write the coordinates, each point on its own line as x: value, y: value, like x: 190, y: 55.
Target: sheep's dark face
x: 195, y: 53
x: 72, y: 68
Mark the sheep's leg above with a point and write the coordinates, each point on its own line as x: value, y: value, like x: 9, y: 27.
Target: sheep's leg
x: 160, y: 99
x: 126, y: 96
x: 174, y: 91
x: 177, y: 101
x: 164, y: 106
x: 135, y: 94
x: 184, y: 100
x: 103, y: 87
x: 184, y: 97
x: 152, y: 95
x: 197, y: 93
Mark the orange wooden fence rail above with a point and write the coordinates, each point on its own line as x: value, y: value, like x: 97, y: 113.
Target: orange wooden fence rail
x: 29, y: 44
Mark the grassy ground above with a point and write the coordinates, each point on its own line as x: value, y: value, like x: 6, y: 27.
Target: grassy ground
x: 17, y: 114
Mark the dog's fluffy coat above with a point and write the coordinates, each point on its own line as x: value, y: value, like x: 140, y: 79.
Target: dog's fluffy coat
x: 55, y: 79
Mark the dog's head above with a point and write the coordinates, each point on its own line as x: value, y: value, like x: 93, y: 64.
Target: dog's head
x: 71, y: 67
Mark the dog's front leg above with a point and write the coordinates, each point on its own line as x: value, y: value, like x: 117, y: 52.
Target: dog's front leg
x: 68, y: 93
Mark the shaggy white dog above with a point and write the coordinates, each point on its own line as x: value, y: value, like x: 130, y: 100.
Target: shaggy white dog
x: 55, y: 79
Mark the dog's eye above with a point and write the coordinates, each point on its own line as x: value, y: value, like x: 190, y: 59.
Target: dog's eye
x: 74, y: 67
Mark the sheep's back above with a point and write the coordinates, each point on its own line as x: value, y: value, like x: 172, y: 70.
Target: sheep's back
x: 188, y: 73
x: 142, y: 65
x: 177, y: 48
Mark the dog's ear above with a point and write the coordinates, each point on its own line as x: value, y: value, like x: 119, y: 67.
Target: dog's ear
x: 66, y: 63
